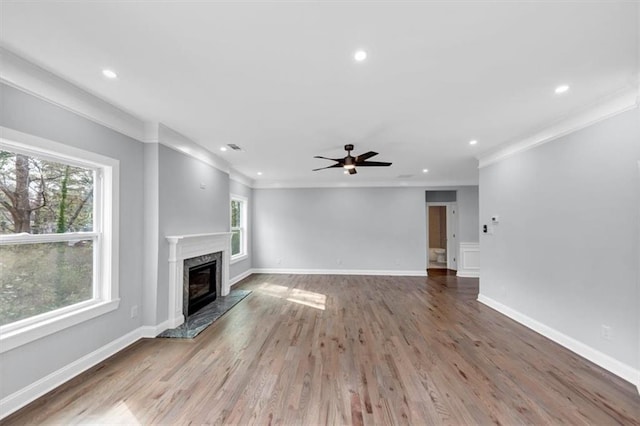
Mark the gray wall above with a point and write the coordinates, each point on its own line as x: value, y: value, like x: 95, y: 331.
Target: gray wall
x: 150, y: 234
x: 31, y: 362
x: 236, y: 188
x: 185, y: 208
x: 566, y: 250
x: 468, y: 208
x: 348, y: 228
x: 160, y: 195
x: 468, y: 218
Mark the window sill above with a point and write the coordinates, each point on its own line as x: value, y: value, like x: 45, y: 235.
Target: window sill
x: 21, y: 336
x: 238, y: 258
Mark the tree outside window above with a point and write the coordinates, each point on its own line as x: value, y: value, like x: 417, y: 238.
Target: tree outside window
x: 47, y: 236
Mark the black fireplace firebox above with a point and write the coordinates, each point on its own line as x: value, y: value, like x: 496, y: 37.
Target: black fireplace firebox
x: 202, y: 286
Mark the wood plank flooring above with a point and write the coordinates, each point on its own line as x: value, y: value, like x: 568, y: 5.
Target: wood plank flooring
x: 354, y: 350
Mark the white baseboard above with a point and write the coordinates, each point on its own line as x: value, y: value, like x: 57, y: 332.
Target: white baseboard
x: 151, y: 331
x: 235, y: 280
x: 468, y: 274
x: 610, y: 364
x: 419, y: 273
x: 24, y: 396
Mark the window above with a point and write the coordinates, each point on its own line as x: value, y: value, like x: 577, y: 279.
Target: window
x: 238, y: 228
x: 57, y: 237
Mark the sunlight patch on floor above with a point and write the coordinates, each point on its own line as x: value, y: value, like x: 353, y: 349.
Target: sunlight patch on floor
x: 117, y: 415
x: 303, y: 297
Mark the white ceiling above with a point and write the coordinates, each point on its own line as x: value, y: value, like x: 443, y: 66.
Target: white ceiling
x: 279, y: 79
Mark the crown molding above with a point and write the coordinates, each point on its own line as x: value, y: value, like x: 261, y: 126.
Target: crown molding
x: 172, y: 139
x: 43, y: 84
x: 179, y: 142
x: 268, y: 184
x: 242, y: 179
x: 151, y: 132
x: 28, y: 77
x: 620, y: 102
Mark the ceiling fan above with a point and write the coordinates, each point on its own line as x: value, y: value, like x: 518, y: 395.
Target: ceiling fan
x: 349, y: 163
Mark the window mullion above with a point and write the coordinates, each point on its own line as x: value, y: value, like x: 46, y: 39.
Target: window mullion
x: 45, y: 238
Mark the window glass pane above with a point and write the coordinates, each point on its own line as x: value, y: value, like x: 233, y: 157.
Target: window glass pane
x: 39, y: 196
x: 235, y: 242
x: 38, y: 278
x: 235, y: 213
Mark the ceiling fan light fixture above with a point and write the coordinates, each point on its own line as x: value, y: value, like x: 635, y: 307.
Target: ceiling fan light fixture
x: 349, y: 162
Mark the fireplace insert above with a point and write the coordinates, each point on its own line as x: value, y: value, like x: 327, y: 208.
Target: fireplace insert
x: 202, y: 286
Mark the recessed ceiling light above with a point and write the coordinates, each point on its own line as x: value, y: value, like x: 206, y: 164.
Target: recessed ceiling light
x: 425, y: 170
x: 109, y: 73
x: 473, y: 142
x: 223, y: 148
x: 259, y: 173
x: 562, y: 89
x: 360, y: 55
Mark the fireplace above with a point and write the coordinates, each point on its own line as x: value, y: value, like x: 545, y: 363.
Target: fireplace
x: 202, y: 280
x: 202, y: 286
x: 188, y: 251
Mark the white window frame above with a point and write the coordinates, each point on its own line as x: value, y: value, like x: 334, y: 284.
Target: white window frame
x: 105, y: 237
x: 244, y: 201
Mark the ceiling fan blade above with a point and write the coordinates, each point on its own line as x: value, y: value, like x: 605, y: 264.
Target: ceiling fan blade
x: 328, y: 167
x: 352, y: 171
x: 337, y: 160
x: 372, y: 164
x: 365, y: 156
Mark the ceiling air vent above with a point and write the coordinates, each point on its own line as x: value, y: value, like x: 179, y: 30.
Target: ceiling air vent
x: 234, y: 147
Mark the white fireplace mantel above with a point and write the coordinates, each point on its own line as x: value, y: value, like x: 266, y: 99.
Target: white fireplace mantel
x: 183, y: 247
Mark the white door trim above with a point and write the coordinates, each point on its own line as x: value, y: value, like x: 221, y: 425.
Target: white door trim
x: 638, y: 366
x: 452, y: 229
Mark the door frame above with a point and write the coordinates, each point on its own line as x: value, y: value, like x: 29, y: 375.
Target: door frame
x: 452, y: 230
x: 638, y: 287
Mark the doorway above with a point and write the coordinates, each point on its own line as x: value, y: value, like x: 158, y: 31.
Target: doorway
x: 442, y: 227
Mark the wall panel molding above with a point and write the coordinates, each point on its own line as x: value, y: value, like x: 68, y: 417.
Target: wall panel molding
x: 469, y: 260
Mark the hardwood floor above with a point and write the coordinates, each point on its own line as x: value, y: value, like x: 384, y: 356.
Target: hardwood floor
x: 346, y: 350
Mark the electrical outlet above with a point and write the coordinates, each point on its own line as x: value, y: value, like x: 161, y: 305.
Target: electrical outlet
x: 606, y: 332
x: 339, y: 261
x: 134, y: 311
